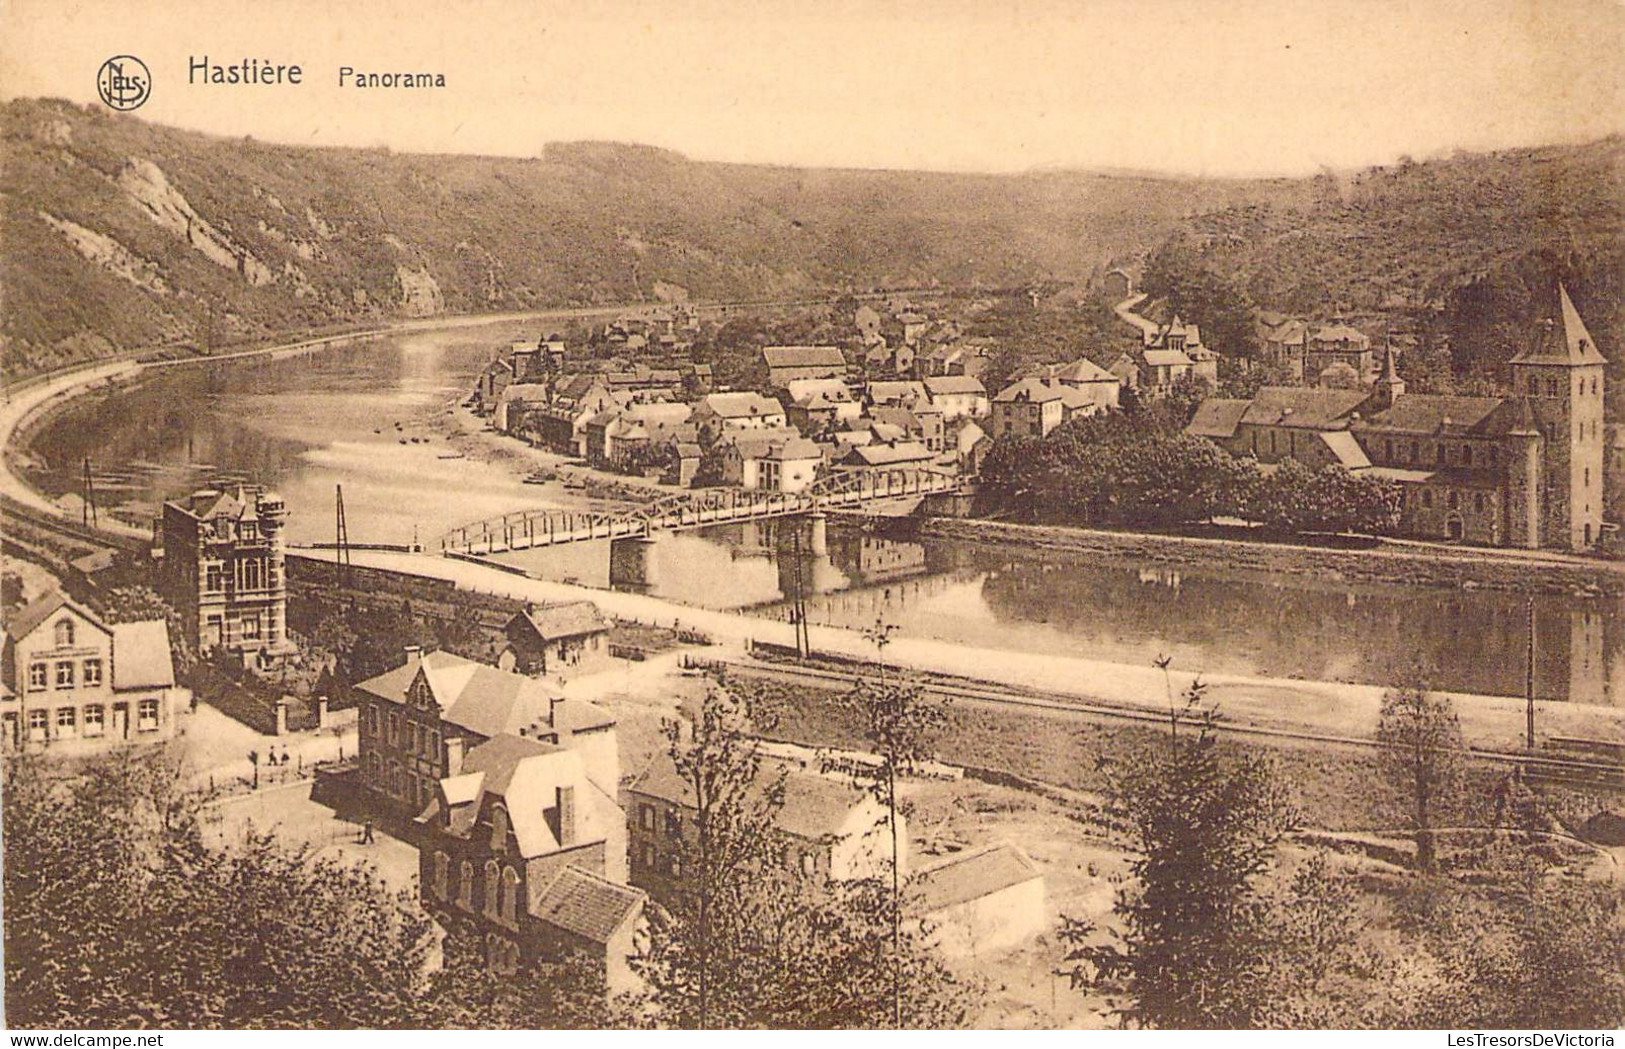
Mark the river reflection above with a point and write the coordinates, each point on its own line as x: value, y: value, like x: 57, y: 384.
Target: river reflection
x: 305, y: 425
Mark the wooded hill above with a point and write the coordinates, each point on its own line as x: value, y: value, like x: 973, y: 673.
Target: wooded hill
x: 120, y: 233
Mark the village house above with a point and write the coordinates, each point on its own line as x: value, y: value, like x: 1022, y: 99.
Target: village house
x: 523, y: 845
x: 1521, y: 470
x: 895, y: 393
x: 223, y: 571
x: 884, y: 359
x: 867, y: 320
x: 1175, y: 349
x: 922, y: 422
x: 894, y: 454
x: 1034, y: 407
x: 1283, y: 341
x: 969, y: 444
x: 74, y: 683
x: 957, y: 396
x: 718, y: 414
x: 980, y: 901
x: 417, y: 721
x: 914, y: 326
x: 561, y: 424
x: 1102, y: 387
x: 614, y: 433
x: 788, y: 363
x: 515, y: 403
x: 829, y: 829
x: 819, y: 405
x: 781, y: 461
x: 1118, y: 285
x: 557, y: 640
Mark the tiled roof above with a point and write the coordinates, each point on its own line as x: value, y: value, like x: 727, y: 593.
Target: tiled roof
x: 1166, y: 358
x: 814, y: 805
x: 891, y: 454
x: 552, y: 622
x: 1563, y: 340
x: 1341, y: 333
x: 741, y: 405
x: 588, y: 905
x: 1301, y: 406
x: 1217, y: 417
x: 141, y: 656
x: 792, y: 449
x: 972, y: 875
x: 473, y: 696
x: 1428, y: 413
x: 30, y: 616
x: 1345, y: 449
x: 803, y: 356
x: 947, y: 385
x: 1034, y: 390
x: 896, y: 391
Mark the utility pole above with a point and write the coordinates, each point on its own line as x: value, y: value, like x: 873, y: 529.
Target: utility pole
x: 1529, y: 678
x: 798, y: 600
x: 341, y: 538
x: 88, y: 511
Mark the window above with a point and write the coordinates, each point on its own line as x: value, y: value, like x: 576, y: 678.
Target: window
x: 491, y: 888
x: 510, y: 895
x: 251, y: 627
x: 809, y: 863
x: 674, y: 823
x: 1478, y: 502
x: 64, y: 634
x: 38, y: 676
x: 442, y: 875
x: 649, y: 856
x: 1388, y: 449
x: 37, y: 721
x: 64, y: 674
x: 465, y: 886
x: 214, y: 579
x: 646, y: 817
x: 1427, y: 497
x: 1551, y: 387
x: 1438, y: 454
x: 95, y: 719
x: 146, y: 715
x: 93, y: 672
x: 1455, y: 501
x: 676, y: 866
x: 1416, y: 451
x: 65, y: 719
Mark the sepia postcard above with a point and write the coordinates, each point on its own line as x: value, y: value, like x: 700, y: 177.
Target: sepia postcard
x: 912, y: 514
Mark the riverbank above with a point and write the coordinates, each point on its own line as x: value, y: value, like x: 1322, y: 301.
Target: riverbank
x: 1515, y: 571
x: 1331, y: 708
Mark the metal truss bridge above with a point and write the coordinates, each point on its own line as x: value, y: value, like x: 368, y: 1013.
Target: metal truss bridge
x: 524, y: 529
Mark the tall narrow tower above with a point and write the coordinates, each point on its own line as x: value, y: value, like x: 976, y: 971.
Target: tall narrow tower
x: 1561, y: 373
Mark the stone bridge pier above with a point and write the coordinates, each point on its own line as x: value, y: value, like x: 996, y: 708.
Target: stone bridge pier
x: 632, y: 563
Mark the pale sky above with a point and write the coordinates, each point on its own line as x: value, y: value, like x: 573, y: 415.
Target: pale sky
x: 1194, y: 86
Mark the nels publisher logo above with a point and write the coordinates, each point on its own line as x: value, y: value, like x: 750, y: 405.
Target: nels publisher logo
x: 123, y: 82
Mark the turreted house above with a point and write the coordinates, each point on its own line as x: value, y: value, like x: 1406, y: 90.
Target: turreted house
x: 1521, y: 470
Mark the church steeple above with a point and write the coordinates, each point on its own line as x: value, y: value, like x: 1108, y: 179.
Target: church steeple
x: 1389, y: 386
x: 1562, y: 340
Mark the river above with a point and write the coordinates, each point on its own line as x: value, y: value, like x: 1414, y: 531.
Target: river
x: 373, y: 419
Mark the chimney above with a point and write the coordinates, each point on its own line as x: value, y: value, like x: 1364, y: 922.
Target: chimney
x: 567, y: 816
x: 454, y: 755
x: 414, y: 653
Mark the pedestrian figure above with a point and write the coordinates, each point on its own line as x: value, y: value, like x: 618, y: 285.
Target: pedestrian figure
x: 366, y: 833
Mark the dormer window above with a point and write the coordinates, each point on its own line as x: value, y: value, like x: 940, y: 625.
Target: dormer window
x: 64, y: 634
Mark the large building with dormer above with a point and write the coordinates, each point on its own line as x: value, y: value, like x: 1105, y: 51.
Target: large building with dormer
x: 1522, y: 470
x: 223, y: 570
x: 417, y: 722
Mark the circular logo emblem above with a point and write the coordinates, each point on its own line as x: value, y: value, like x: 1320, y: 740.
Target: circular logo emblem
x: 123, y: 82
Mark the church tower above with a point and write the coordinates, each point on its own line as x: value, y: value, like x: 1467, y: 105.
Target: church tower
x: 1561, y: 374
x: 1389, y: 386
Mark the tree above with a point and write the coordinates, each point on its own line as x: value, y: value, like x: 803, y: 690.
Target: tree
x: 1422, y: 744
x: 564, y: 993
x: 899, y: 723
x: 696, y: 966
x: 1205, y: 827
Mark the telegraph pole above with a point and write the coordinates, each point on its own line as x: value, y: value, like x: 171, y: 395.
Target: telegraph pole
x: 341, y: 538
x: 1529, y: 677
x: 88, y: 511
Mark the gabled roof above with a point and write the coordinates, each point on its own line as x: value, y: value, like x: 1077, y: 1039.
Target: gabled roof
x: 792, y: 449
x: 972, y: 875
x: 814, y: 805
x: 554, y: 622
x: 588, y: 905
x: 28, y: 618
x: 1430, y: 413
x: 1345, y: 449
x: 1561, y: 340
x: 473, y: 696
x: 891, y: 454
x: 803, y: 357
x: 1217, y: 417
x: 887, y: 391
x: 1034, y: 390
x: 141, y: 655
x: 740, y: 405
x: 1341, y: 333
x: 950, y: 385
x: 1300, y: 406
x: 1166, y: 358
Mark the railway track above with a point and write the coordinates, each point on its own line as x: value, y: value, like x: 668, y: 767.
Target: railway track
x: 1576, y: 772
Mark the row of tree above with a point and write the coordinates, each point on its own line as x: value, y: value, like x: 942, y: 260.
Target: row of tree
x: 1119, y: 470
